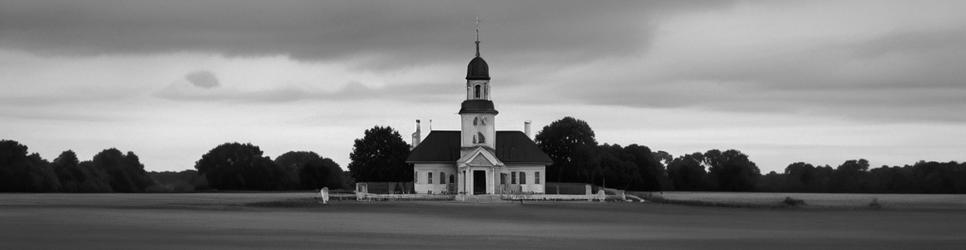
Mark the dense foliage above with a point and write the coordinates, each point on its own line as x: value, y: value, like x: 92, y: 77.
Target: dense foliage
x: 109, y: 171
x: 237, y: 166
x: 571, y: 145
x: 308, y: 170
x: 854, y: 176
x: 380, y: 155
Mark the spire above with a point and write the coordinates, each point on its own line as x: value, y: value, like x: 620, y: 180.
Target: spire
x: 477, y: 36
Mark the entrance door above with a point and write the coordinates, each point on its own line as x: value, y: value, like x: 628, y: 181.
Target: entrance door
x: 479, y: 182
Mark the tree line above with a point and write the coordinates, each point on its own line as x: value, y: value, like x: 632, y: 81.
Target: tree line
x: 230, y: 166
x: 379, y: 156
x: 109, y: 171
x: 577, y: 157
x: 242, y: 166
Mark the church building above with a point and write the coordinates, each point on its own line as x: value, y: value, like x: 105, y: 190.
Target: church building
x: 477, y: 160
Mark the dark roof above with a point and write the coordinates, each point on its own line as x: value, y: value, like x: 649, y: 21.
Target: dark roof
x: 477, y: 69
x: 511, y: 147
x: 478, y: 106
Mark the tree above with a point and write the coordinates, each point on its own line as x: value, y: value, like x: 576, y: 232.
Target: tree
x: 291, y: 164
x: 322, y: 172
x: 13, y: 166
x: 731, y: 170
x: 687, y: 173
x: 20, y: 172
x: 664, y: 158
x: 850, y: 176
x: 380, y: 155
x: 615, y: 168
x: 572, y: 145
x: 125, y: 171
x: 652, y: 173
x: 236, y: 166
x: 183, y: 181
x: 308, y: 170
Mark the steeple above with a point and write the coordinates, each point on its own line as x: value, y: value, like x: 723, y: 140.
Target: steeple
x: 477, y: 36
x: 477, y: 112
x: 477, y: 69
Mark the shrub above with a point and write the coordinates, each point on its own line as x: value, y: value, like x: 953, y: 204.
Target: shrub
x: 792, y: 202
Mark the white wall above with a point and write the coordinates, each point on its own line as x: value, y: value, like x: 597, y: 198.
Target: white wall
x: 421, y: 183
x: 530, y: 175
x: 468, y: 130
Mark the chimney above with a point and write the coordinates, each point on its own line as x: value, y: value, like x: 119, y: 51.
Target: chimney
x: 526, y: 129
x: 416, y: 135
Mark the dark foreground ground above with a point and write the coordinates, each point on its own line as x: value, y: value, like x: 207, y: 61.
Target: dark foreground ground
x: 257, y: 221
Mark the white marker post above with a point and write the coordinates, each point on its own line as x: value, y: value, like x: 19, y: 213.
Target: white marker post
x: 325, y: 195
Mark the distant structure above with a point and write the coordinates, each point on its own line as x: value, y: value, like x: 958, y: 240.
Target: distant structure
x: 416, y: 135
x: 477, y: 160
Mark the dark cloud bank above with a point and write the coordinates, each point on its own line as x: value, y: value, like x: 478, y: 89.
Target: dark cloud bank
x: 397, y: 33
x: 529, y: 35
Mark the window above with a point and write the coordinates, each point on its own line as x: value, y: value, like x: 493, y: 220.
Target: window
x: 430, y: 178
x: 513, y: 177
x: 523, y: 177
x: 536, y: 177
x: 442, y: 178
x: 476, y: 92
x: 481, y: 139
x: 452, y: 179
x: 476, y: 120
x: 502, y: 179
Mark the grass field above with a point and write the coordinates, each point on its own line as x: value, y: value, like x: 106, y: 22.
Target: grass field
x: 813, y: 200
x: 291, y: 220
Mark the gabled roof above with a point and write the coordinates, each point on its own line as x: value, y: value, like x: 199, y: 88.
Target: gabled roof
x: 443, y: 146
x: 480, y: 156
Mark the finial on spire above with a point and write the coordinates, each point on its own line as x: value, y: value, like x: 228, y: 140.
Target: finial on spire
x: 477, y: 36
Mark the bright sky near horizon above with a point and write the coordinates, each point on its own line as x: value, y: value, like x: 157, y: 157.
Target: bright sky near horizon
x: 783, y: 81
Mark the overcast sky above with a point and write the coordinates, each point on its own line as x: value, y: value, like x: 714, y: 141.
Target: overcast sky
x: 783, y: 81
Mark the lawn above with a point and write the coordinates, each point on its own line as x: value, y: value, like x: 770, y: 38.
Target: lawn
x: 250, y: 221
x: 822, y: 200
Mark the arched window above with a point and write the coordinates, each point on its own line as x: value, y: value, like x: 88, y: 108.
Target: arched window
x: 452, y: 179
x: 442, y: 178
x: 482, y: 139
x: 430, y: 178
x: 477, y: 91
x: 474, y: 139
x: 476, y: 120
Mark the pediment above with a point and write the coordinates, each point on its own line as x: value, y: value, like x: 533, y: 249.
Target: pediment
x: 480, y: 160
x: 480, y: 156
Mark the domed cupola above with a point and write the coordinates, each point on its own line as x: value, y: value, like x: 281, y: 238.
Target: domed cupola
x: 477, y: 69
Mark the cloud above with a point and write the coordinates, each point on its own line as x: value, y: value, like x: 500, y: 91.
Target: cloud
x: 906, y: 70
x: 391, y: 34
x: 280, y: 93
x: 202, y: 79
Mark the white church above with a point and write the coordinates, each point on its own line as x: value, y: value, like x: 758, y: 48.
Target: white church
x: 477, y: 160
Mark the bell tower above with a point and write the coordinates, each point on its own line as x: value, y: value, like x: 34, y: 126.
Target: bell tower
x: 477, y: 111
